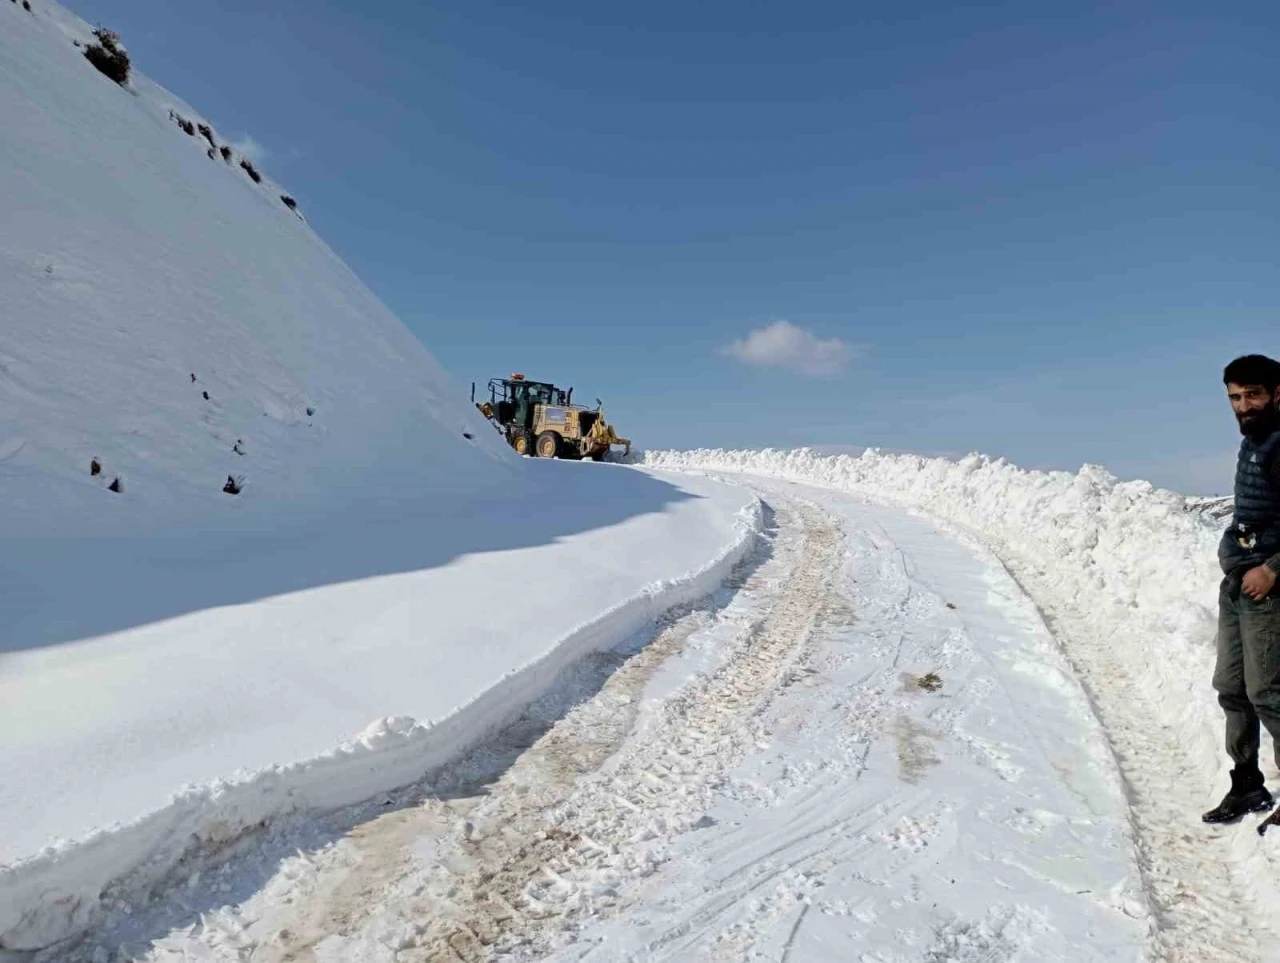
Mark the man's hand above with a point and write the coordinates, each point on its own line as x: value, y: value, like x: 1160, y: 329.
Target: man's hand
x: 1258, y: 582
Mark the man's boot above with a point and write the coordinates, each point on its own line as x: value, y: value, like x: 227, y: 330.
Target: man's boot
x: 1247, y: 795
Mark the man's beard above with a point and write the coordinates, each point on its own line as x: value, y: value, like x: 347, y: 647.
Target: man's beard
x: 1260, y: 422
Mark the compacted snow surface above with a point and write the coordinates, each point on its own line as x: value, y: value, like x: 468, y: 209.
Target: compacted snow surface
x: 873, y: 745
x: 868, y: 747
x: 1127, y: 576
x: 928, y: 784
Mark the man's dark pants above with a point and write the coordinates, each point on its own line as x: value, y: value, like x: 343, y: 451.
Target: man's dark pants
x: 1247, y: 676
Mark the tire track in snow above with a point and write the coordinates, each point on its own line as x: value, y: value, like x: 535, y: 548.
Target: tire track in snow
x: 1212, y: 889
x: 512, y: 868
x: 805, y: 825
x: 536, y: 869
x: 751, y: 886
x: 508, y: 866
x: 1201, y: 904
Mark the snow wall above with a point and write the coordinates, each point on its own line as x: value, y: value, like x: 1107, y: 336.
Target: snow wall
x: 61, y: 892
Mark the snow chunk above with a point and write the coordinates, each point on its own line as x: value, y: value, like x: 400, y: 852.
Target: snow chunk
x: 389, y: 730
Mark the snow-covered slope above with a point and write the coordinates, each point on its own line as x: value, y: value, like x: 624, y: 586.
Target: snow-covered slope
x: 179, y: 662
x: 138, y: 275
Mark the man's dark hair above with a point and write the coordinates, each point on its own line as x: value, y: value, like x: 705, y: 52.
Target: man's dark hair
x: 1253, y: 369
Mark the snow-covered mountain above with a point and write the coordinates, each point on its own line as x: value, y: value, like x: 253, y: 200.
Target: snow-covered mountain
x: 261, y: 556
x: 172, y: 320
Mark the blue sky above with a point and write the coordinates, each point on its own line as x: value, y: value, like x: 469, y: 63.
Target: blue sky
x: 1035, y: 230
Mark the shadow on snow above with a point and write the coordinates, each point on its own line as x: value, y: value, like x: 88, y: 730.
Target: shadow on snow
x: 57, y: 590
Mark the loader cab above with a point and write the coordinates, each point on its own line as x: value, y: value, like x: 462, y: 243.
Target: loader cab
x: 514, y: 398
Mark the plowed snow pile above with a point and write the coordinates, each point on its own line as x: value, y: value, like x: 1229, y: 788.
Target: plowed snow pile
x: 260, y: 553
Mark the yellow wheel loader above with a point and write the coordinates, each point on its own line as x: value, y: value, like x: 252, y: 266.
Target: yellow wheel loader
x: 539, y: 419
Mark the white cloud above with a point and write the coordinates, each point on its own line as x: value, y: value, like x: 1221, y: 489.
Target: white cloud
x: 792, y: 348
x: 250, y: 148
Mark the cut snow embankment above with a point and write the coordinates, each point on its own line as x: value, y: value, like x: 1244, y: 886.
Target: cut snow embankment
x: 1133, y: 565
x: 437, y: 658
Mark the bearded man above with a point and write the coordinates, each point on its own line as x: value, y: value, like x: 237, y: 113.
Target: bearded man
x: 1247, y: 676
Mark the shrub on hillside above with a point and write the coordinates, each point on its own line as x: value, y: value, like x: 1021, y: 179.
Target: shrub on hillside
x: 207, y: 133
x: 251, y: 170
x: 226, y: 153
x: 108, y: 56
x: 186, y: 125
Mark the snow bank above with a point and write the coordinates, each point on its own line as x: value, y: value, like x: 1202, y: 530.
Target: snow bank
x: 1130, y: 564
x: 60, y: 892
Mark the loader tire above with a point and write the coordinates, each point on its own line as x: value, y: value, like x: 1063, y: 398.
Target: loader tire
x: 522, y: 442
x: 548, y: 444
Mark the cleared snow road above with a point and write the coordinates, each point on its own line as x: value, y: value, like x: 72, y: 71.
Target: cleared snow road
x: 775, y: 776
